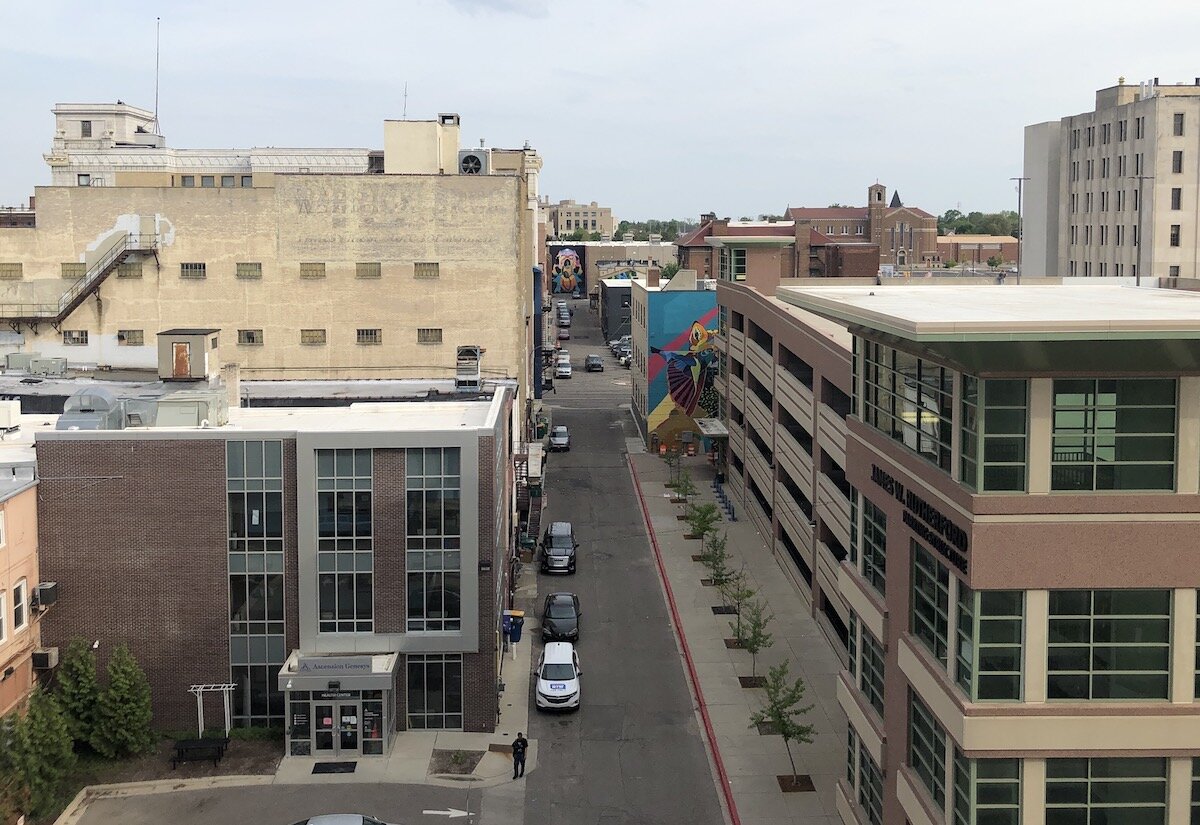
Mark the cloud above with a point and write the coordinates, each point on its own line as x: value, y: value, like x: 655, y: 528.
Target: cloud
x: 521, y: 8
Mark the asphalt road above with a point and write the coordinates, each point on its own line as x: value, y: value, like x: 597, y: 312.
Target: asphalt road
x: 633, y: 752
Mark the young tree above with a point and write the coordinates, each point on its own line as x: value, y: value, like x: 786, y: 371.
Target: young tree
x: 736, y: 591
x: 716, y: 559
x: 702, y: 518
x: 123, y: 722
x: 14, y: 795
x: 78, y: 689
x: 782, y: 710
x: 753, y: 634
x: 668, y: 271
x: 671, y: 457
x: 685, y: 488
x: 995, y: 261
x: 42, y: 751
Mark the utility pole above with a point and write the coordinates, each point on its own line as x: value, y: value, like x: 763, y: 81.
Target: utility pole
x: 1020, y: 229
x: 1141, y: 205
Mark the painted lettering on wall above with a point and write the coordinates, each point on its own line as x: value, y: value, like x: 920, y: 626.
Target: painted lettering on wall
x: 931, y: 525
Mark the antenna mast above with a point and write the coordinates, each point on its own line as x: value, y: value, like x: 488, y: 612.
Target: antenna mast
x: 157, y: 39
x: 405, y: 115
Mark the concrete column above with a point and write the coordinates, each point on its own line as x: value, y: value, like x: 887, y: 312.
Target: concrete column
x: 1183, y: 646
x: 1041, y: 425
x: 1179, y: 790
x: 1037, y: 636
x: 1187, y: 480
x: 1033, y: 792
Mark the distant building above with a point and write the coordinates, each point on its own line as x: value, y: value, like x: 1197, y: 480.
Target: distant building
x: 614, y: 305
x: 1089, y: 175
x: 977, y: 249
x: 566, y: 217
x: 906, y: 236
x: 577, y: 266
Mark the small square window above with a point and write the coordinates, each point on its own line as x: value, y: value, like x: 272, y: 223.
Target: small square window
x: 368, y: 269
x: 208, y: 181
x: 370, y: 336
x: 83, y: 180
x: 74, y: 271
x: 192, y: 270
x: 131, y: 338
x: 85, y: 128
x: 312, y: 270
x: 247, y: 181
x: 312, y: 336
x: 426, y: 269
x: 1173, y: 271
x: 250, y: 337
x: 187, y: 181
x: 249, y: 271
x: 11, y: 270
x: 429, y: 336
x: 228, y: 181
x: 130, y: 269
x: 75, y: 337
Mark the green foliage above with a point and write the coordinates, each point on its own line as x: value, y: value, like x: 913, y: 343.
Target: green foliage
x: 14, y: 793
x: 38, y: 754
x: 642, y: 230
x: 668, y: 271
x: 124, y: 717
x: 782, y: 709
x: 716, y: 558
x: 995, y: 261
x: 978, y: 223
x: 685, y: 488
x: 701, y: 518
x: 753, y: 634
x: 950, y: 264
x: 840, y: 206
x: 671, y: 457
x: 78, y: 689
x: 581, y: 235
x: 735, y: 592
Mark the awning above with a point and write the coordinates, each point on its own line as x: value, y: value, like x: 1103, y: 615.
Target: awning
x: 712, y: 428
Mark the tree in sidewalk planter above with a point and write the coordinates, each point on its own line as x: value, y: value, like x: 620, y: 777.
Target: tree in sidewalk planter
x: 735, y: 592
x: 685, y: 488
x: 701, y: 519
x: 782, y: 710
x: 672, y: 460
x: 716, y: 558
x: 37, y: 755
x: 124, y: 717
x: 78, y: 689
x: 752, y: 633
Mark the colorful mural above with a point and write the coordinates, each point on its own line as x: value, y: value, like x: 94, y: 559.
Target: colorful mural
x: 566, y: 271
x: 682, y: 367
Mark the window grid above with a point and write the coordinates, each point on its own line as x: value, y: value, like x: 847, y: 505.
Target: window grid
x: 435, y: 691
x: 131, y: 338
x: 433, y: 489
x: 870, y: 680
x: 3, y: 617
x: 870, y: 787
x: 1195, y: 818
x: 927, y: 749
x: 874, y: 545
x: 130, y: 269
x: 20, y: 610
x: 250, y: 337
x: 312, y: 336
x: 312, y: 270
x: 990, y: 630
x: 249, y: 271
x: 11, y: 270
x: 910, y: 400
x: 429, y: 336
x: 852, y: 642
x: 426, y: 269
x: 345, y: 548
x: 369, y: 336
x: 1106, y: 791
x: 986, y: 791
x: 930, y: 601
x: 1109, y: 644
x: 368, y: 269
x: 75, y: 337
x: 75, y: 271
x: 192, y: 270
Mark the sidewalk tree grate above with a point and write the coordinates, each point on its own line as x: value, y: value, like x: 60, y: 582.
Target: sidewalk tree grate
x: 753, y: 681
x: 767, y: 729
x: 697, y: 557
x: 801, y: 783
x: 733, y: 644
x: 722, y: 610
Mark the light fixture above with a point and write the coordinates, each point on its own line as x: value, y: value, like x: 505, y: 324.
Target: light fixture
x: 485, y: 565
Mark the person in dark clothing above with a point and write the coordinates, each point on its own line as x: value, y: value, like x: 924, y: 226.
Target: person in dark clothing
x: 519, y: 746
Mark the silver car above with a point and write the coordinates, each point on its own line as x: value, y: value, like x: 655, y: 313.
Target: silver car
x: 341, y: 819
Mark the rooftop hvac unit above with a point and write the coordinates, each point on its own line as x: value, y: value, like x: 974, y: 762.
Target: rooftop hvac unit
x: 20, y: 360
x: 48, y: 366
x: 45, y: 594
x: 467, y: 375
x: 45, y: 658
x: 475, y: 161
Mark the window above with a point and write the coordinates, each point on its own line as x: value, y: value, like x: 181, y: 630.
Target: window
x: 367, y: 269
x: 250, y: 337
x: 1104, y: 165
x: 312, y: 270
x: 187, y: 181
x: 247, y: 181
x: 20, y: 612
x: 1177, y: 161
x: 3, y: 618
x: 85, y: 128
x: 369, y: 336
x: 909, y: 399
x: 74, y: 271
x: 434, y: 526
x: 1195, y: 818
x: 130, y: 269
x: 930, y: 601
x: 426, y: 269
x: 249, y: 271
x: 207, y: 181
x: 130, y: 338
x: 1177, y: 124
x: 192, y: 270
x: 1174, y: 234
x: 997, y: 410
x: 83, y: 180
x: 927, y: 749
x: 312, y: 336
x: 11, y: 271
x: 990, y: 643
x: 345, y: 549
x: 435, y: 691
x: 429, y: 336
x: 1113, y: 434
x: 1109, y: 644
x: 1106, y: 791
x: 874, y: 545
x: 1122, y: 129
x: 1176, y: 198
x: 861, y: 767
x: 75, y: 337
x: 1172, y: 271
x: 986, y: 791
x: 870, y: 673
x: 1139, y: 128
x: 228, y: 181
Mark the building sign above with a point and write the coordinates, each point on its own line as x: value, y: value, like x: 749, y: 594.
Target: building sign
x: 334, y: 665
x: 339, y: 694
x: 931, y: 525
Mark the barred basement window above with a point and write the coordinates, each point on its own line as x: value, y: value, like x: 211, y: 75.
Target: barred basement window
x: 247, y: 181
x: 312, y: 336
x: 10, y: 271
x: 75, y: 337
x: 370, y: 336
x: 227, y: 181
x: 429, y: 336
x: 74, y: 271
x: 251, y: 271
x: 312, y: 270
x: 426, y: 269
x: 368, y: 269
x: 192, y: 270
x: 130, y: 338
x: 250, y: 337
x: 208, y: 181
x: 187, y: 181
x: 130, y: 269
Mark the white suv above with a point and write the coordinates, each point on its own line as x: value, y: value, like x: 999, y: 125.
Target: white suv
x: 558, y: 677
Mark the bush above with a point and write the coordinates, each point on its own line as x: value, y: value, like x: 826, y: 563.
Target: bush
x: 783, y: 711
x: 124, y: 717
x: 702, y: 518
x: 38, y: 753
x: 78, y: 689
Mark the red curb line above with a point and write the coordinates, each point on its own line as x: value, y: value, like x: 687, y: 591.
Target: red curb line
x: 710, y: 736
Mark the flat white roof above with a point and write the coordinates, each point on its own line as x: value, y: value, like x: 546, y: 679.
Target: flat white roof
x: 965, y: 312
x: 365, y: 417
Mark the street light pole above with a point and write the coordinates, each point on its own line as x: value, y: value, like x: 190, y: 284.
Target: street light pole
x: 1141, y: 238
x: 1020, y: 229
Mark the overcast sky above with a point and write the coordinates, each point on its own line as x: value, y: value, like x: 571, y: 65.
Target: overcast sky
x: 656, y: 108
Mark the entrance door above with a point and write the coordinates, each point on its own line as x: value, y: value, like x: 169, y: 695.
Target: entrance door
x: 324, y: 741
x: 337, y: 734
x: 181, y: 360
x: 348, y: 727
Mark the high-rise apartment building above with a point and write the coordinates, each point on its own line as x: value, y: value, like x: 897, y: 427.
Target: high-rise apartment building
x: 1114, y: 191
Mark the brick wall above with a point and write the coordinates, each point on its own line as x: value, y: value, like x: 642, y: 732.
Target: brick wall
x: 479, y: 669
x: 389, y: 530
x: 134, y: 533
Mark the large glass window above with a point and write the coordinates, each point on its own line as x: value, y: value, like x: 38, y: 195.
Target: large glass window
x: 1106, y: 791
x: 1195, y: 818
x: 433, y: 481
x: 1109, y: 644
x: 930, y: 601
x: 874, y: 545
x: 994, y: 426
x: 435, y: 691
x: 927, y: 749
x: 1114, y: 434
x: 986, y: 791
x: 990, y: 630
x: 909, y: 399
x: 864, y: 775
x: 870, y: 678
x: 345, y: 550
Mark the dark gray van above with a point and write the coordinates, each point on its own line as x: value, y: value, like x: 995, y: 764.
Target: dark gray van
x: 558, y: 548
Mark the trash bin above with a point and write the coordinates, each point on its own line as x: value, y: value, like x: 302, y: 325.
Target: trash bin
x: 514, y: 633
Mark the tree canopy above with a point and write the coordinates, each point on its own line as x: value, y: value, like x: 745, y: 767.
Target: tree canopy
x: 642, y: 230
x: 978, y: 223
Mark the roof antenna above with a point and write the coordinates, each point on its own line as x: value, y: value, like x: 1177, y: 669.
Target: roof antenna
x: 405, y: 115
x: 157, y: 39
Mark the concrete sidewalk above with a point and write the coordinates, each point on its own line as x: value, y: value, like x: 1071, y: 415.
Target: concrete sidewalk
x: 750, y: 761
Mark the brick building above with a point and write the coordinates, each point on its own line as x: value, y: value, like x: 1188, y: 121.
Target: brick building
x: 906, y: 236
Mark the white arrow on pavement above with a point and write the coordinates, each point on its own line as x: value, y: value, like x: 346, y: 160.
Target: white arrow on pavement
x: 449, y: 813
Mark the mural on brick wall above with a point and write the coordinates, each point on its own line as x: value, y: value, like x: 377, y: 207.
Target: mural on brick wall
x: 566, y: 270
x: 682, y: 366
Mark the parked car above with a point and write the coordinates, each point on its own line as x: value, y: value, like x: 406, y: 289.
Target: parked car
x: 558, y: 548
x: 624, y: 341
x: 560, y: 618
x: 558, y: 677
x: 624, y: 352
x: 564, y: 334
x: 560, y: 440
x: 592, y: 363
x: 564, y: 320
x: 562, y: 369
x: 625, y: 360
x: 341, y: 819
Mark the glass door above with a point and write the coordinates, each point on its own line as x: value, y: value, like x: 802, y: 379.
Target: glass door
x: 323, y: 739
x: 348, y: 726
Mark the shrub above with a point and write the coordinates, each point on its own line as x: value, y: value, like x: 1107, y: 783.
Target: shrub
x: 78, y: 689
x: 124, y: 717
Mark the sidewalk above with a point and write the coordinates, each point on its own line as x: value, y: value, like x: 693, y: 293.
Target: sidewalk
x: 750, y: 761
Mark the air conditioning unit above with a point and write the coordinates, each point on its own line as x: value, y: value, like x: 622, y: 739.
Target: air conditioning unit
x: 45, y: 594
x: 475, y: 161
x: 45, y: 658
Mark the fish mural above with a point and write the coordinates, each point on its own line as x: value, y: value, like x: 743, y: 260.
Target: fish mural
x: 681, y: 367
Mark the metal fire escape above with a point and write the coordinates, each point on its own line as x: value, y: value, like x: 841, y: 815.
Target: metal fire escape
x: 120, y: 248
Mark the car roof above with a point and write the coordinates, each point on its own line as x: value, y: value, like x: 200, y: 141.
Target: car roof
x: 559, y: 527
x: 558, y: 652
x: 336, y: 819
x: 561, y: 597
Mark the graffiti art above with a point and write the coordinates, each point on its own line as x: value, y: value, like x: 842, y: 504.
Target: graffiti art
x: 690, y: 372
x: 566, y: 276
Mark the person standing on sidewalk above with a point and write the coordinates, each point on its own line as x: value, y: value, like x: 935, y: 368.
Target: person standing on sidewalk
x: 519, y: 746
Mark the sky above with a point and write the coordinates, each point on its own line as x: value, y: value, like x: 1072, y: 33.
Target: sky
x: 657, y: 108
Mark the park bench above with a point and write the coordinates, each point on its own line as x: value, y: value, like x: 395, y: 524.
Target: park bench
x: 198, y: 750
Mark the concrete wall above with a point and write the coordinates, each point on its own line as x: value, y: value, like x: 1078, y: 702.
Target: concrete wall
x: 1040, y: 213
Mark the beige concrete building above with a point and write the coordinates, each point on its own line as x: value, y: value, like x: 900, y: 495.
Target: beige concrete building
x: 338, y: 263
x: 565, y: 217
x: 1090, y: 174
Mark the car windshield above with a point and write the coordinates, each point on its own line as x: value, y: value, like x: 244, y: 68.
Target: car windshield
x: 560, y: 431
x: 561, y: 545
x: 561, y: 610
x: 552, y: 672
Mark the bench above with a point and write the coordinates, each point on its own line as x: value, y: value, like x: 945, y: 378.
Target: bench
x: 199, y: 750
